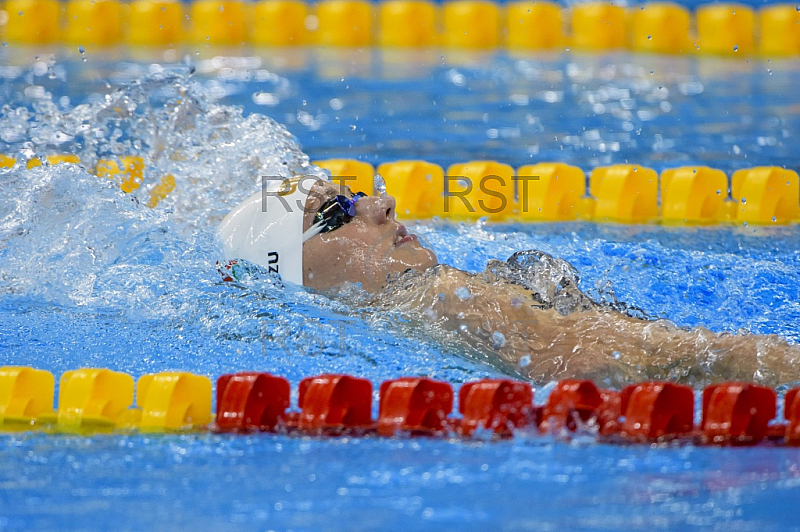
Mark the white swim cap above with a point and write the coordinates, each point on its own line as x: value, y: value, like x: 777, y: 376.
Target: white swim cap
x: 267, y: 228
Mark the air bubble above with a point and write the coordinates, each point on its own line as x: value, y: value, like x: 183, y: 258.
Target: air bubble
x: 462, y: 292
x: 498, y: 340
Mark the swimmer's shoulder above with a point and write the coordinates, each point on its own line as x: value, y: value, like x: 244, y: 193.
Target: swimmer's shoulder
x: 416, y: 285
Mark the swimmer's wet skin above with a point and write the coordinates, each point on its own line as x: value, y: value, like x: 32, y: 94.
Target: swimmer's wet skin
x: 528, y: 311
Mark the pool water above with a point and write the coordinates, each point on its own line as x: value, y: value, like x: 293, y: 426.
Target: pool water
x: 91, y: 277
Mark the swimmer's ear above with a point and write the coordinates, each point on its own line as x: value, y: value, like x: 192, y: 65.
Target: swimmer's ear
x: 313, y: 202
x: 317, y: 196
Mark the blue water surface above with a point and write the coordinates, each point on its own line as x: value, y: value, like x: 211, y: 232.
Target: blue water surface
x: 91, y: 277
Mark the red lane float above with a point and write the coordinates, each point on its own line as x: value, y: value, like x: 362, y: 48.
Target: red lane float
x: 498, y: 405
x: 251, y: 401
x: 412, y: 404
x: 791, y: 412
x: 335, y: 402
x: 574, y: 403
x: 655, y: 410
x: 737, y: 412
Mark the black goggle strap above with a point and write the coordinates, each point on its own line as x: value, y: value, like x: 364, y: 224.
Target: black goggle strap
x: 333, y: 214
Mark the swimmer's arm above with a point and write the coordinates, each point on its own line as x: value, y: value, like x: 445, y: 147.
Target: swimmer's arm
x: 601, y: 343
x: 506, y: 319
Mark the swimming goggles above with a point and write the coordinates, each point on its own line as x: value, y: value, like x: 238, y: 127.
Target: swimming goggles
x: 333, y: 214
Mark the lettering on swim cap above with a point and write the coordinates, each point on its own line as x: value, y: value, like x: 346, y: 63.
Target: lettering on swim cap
x: 273, y: 262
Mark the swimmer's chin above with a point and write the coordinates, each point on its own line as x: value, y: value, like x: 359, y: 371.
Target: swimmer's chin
x: 356, y: 289
x: 402, y: 236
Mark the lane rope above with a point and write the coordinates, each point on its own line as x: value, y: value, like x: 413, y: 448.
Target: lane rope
x: 660, y: 27
x: 542, y: 192
x: 96, y: 400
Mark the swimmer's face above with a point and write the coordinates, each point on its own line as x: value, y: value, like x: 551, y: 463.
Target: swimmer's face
x: 364, y: 250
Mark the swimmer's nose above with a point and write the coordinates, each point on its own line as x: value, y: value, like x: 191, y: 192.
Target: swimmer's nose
x: 377, y: 209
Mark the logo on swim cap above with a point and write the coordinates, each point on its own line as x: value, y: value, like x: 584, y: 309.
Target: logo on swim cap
x: 288, y: 186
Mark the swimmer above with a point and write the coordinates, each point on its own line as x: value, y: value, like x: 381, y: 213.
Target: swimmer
x: 528, y: 311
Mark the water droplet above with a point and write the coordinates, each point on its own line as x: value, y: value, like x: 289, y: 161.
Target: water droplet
x: 649, y: 37
x: 735, y: 48
x: 462, y: 292
x: 379, y: 184
x: 615, y: 355
x: 352, y: 127
x: 498, y: 340
x: 652, y: 72
x: 525, y: 361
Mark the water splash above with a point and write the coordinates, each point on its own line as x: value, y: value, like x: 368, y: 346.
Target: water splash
x: 74, y: 241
